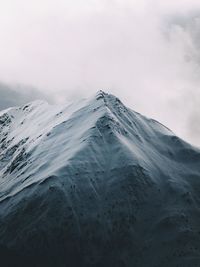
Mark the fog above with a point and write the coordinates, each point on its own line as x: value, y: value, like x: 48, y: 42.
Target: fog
x: 145, y: 52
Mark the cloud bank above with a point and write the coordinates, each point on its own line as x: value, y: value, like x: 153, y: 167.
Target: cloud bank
x: 147, y: 53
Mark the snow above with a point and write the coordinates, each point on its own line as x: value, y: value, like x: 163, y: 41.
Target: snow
x: 93, y: 183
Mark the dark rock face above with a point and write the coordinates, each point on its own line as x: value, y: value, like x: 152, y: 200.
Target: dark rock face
x: 107, y: 187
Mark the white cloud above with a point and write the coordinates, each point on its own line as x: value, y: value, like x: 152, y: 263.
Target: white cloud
x: 145, y: 52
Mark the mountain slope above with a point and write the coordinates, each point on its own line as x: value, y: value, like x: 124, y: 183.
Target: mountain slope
x: 96, y: 184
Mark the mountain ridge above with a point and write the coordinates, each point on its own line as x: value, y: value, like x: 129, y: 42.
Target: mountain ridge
x: 96, y: 184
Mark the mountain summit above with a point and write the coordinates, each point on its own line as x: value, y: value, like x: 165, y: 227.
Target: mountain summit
x: 96, y: 184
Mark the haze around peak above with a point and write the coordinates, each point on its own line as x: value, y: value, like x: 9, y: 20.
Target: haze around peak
x: 145, y: 53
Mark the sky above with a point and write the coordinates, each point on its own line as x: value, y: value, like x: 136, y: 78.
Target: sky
x: 145, y: 52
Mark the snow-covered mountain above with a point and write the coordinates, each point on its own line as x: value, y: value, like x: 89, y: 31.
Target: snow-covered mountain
x: 94, y: 183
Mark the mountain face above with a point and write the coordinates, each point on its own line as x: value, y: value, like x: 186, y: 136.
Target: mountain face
x: 96, y: 184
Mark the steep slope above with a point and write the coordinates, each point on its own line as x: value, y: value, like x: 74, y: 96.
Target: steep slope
x: 96, y: 184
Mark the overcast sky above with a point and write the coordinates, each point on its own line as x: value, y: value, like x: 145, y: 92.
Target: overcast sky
x: 146, y: 52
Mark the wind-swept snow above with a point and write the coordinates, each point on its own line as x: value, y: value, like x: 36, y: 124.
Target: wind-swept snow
x: 94, y: 183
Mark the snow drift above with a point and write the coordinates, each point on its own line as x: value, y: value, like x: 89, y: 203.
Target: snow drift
x: 94, y: 183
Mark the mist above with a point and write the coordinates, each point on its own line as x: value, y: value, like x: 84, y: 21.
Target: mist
x: 146, y: 53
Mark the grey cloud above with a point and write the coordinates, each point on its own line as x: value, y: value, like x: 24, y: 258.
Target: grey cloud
x: 15, y: 95
x: 193, y: 126
x: 185, y: 31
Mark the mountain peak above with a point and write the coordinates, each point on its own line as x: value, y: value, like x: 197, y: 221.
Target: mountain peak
x: 96, y: 184
x: 109, y: 99
x: 100, y: 94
